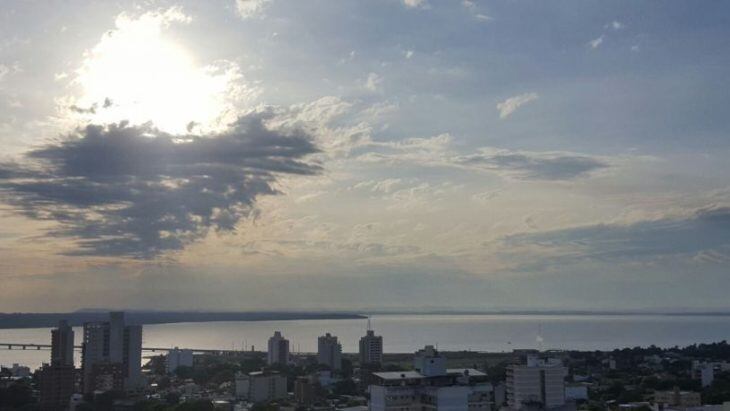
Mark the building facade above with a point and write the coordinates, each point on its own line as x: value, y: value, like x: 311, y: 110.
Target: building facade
x: 278, y: 350
x: 431, y: 387
x: 57, y: 381
x: 678, y: 399
x: 176, y: 358
x: 260, y: 386
x: 62, y: 345
x: 537, y: 383
x: 112, y: 355
x: 304, y: 390
x: 329, y: 352
x: 371, y: 348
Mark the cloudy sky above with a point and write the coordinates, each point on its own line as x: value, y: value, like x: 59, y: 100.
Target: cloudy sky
x: 380, y: 154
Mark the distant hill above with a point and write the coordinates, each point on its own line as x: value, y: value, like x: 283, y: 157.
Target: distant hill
x: 40, y: 320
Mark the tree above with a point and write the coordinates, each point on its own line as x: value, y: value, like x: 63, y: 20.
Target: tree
x: 17, y: 395
x: 199, y: 405
x: 184, y: 372
x: 265, y: 407
x: 345, y: 387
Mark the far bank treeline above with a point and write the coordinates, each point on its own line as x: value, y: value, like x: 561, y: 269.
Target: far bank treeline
x: 39, y: 320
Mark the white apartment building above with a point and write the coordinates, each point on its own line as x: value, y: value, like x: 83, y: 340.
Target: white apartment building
x: 260, y: 386
x: 538, y: 382
x: 178, y: 358
x: 431, y: 387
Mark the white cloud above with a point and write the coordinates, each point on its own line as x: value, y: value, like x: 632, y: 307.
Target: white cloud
x: 250, y: 8
x: 482, y: 17
x: 6, y: 70
x: 509, y: 106
x: 415, y: 3
x: 615, y: 25
x: 373, y: 82
x: 595, y: 43
x: 385, y: 186
x: 409, y: 54
x: 474, y: 10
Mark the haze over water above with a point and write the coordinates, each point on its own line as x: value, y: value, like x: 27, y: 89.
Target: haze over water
x: 406, y: 333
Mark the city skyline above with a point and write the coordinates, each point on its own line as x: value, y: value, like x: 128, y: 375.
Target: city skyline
x: 269, y: 155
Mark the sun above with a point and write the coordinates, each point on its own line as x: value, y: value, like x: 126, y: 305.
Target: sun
x: 136, y: 73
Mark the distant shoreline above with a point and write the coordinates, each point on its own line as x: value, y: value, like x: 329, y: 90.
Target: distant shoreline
x: 42, y: 320
x: 548, y: 312
x: 77, y: 318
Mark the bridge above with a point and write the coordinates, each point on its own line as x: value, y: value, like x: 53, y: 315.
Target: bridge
x: 34, y: 346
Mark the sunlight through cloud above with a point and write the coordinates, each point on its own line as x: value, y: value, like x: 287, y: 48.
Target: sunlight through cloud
x: 137, y: 73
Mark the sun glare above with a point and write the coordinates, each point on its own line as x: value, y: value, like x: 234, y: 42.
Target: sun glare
x: 137, y: 74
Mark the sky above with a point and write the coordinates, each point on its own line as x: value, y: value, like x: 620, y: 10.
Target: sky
x: 365, y: 155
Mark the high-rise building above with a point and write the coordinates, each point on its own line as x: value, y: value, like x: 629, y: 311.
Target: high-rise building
x: 56, y: 384
x: 371, y: 348
x: 57, y: 381
x: 538, y: 382
x: 278, y: 352
x: 329, y: 352
x: 112, y: 355
x: 62, y: 344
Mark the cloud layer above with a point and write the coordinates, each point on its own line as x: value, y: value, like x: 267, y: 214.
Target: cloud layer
x: 133, y: 191
x: 704, y: 236
x: 532, y: 165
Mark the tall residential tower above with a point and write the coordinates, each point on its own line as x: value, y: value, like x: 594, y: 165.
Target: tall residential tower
x: 371, y: 347
x: 112, y: 355
x: 57, y: 381
x: 278, y: 352
x: 329, y: 352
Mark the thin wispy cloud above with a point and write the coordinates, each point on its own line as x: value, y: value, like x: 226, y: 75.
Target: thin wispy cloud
x: 596, y: 43
x: 474, y: 10
x: 509, y: 106
x: 374, y: 82
x: 4, y: 71
x: 532, y: 165
x: 615, y: 25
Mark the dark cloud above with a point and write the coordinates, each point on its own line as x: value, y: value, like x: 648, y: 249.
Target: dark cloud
x: 707, y: 230
x: 535, y: 166
x: 134, y: 191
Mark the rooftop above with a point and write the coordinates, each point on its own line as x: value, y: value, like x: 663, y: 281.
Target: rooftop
x: 399, y: 375
x: 466, y: 371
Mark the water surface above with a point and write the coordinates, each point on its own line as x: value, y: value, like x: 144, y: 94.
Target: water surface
x: 406, y: 333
